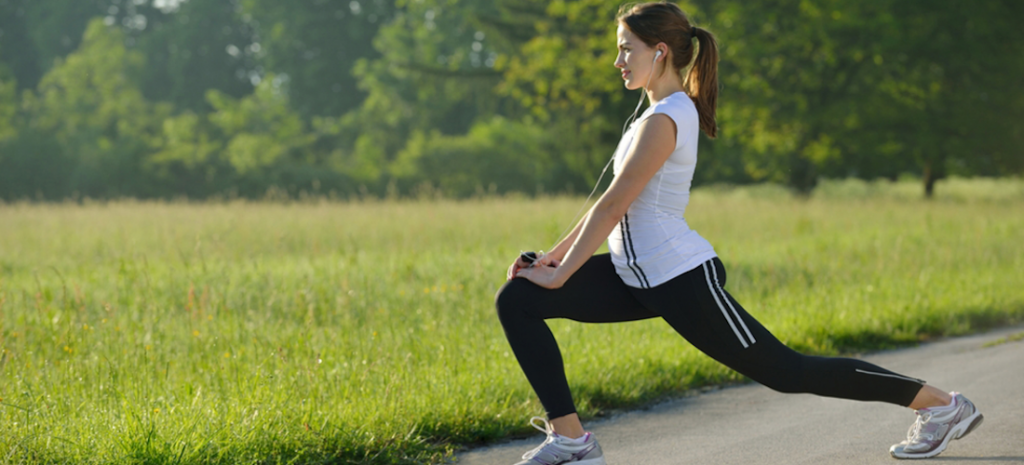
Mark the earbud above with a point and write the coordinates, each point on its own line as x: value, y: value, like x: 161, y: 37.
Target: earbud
x: 657, y: 54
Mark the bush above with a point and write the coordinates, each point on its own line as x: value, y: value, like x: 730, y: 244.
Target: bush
x: 495, y: 156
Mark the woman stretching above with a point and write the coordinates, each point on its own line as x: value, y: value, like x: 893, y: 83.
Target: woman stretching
x: 659, y: 267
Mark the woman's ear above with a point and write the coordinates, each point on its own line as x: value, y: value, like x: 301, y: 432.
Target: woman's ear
x: 662, y: 50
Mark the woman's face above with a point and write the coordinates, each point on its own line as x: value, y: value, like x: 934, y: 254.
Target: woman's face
x: 635, y: 58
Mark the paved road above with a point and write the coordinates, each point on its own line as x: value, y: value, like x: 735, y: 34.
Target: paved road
x: 751, y: 424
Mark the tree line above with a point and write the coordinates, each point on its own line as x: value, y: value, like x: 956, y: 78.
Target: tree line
x: 202, y: 98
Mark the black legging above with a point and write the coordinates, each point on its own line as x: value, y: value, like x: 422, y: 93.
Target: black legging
x: 699, y: 309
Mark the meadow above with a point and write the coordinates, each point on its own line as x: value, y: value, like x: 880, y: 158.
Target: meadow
x: 364, y: 331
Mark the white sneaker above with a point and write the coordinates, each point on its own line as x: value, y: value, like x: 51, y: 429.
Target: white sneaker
x: 558, y: 449
x: 934, y: 428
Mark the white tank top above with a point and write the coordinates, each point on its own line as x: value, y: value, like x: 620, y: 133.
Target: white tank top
x: 652, y: 243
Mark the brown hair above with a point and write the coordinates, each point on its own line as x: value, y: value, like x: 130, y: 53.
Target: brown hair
x: 665, y: 22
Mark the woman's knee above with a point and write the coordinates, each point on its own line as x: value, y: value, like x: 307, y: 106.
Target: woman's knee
x: 510, y: 301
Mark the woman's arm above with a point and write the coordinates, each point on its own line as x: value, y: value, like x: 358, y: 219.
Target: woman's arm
x: 558, y: 253
x: 655, y: 142
x: 552, y: 258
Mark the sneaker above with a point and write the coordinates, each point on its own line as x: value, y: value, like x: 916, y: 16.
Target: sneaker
x: 558, y: 449
x: 935, y: 427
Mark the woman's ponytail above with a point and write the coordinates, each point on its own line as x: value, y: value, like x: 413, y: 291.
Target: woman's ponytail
x: 702, y: 80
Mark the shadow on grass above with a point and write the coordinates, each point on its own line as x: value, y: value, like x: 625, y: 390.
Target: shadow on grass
x: 909, y: 332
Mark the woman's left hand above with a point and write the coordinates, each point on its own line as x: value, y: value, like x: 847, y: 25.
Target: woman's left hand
x: 547, y: 277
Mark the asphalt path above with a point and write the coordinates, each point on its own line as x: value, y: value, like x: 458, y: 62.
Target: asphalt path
x: 751, y: 424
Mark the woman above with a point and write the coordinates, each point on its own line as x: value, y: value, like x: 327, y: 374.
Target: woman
x: 658, y: 267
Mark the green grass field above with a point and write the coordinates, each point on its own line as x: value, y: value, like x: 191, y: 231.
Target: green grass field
x: 365, y: 332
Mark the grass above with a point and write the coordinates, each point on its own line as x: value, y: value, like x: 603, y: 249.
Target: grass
x: 364, y: 332
x: 1003, y: 340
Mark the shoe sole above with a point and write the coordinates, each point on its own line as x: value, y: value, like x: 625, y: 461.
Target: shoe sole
x: 957, y: 433
x: 974, y: 424
x: 595, y: 461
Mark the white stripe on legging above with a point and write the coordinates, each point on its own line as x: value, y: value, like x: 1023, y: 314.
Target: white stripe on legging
x: 726, y: 299
x: 914, y: 380
x: 711, y: 288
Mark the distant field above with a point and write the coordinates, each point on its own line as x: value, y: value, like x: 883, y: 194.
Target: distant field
x: 365, y: 332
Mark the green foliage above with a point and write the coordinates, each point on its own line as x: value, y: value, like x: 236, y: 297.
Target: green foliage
x: 260, y: 129
x: 799, y: 83
x: 496, y: 156
x: 201, y: 45
x: 8, y: 106
x: 832, y: 88
x: 250, y: 143
x: 36, y: 33
x: 186, y: 141
x: 365, y: 332
x: 564, y: 77
x: 429, y: 76
x: 315, y: 44
x: 365, y: 92
x: 90, y: 106
x: 435, y: 73
x: 565, y: 70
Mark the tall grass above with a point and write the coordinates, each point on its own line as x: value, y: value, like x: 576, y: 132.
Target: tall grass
x: 137, y: 332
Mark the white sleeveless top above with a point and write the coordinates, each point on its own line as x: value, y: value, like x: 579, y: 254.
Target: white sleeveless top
x: 652, y: 243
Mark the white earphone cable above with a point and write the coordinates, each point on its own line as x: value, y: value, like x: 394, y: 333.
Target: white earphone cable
x: 631, y: 119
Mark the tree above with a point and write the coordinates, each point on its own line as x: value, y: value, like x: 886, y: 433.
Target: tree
x: 435, y: 74
x: 89, y: 105
x: 564, y: 77
x: 35, y: 33
x: 198, y: 46
x: 314, y: 44
x: 832, y: 88
x: 248, y: 145
x: 260, y: 129
x: 797, y: 83
x: 17, y: 51
x: 257, y: 93
x: 949, y: 74
x: 8, y: 105
x: 495, y: 156
x: 187, y: 156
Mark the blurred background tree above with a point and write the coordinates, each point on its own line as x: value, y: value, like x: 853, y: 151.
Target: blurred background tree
x: 201, y: 98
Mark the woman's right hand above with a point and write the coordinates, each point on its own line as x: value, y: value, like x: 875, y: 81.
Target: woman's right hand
x: 516, y: 266
x: 543, y: 260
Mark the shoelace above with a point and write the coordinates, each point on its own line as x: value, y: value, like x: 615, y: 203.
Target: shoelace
x: 546, y: 429
x: 918, y: 426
